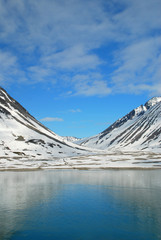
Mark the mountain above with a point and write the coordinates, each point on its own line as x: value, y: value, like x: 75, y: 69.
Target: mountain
x: 71, y: 139
x: 27, y: 144
x: 138, y: 130
x: 22, y: 136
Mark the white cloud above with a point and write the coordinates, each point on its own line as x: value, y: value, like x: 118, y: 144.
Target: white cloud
x: 75, y: 110
x: 138, y: 18
x: 71, y: 58
x: 52, y: 36
x: 96, y: 88
x: 89, y: 84
x: 138, y: 66
x: 155, y: 90
x: 45, y: 40
x: 51, y: 119
x: 9, y: 68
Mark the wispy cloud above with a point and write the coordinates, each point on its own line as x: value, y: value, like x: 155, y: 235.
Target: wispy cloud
x: 51, y: 119
x: 75, y: 110
x: 47, y: 40
x: 96, y: 88
x: 75, y: 57
x: 90, y: 84
x: 8, y: 66
x: 138, y: 67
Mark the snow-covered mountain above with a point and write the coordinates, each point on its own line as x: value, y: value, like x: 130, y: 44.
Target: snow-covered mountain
x: 27, y: 144
x: 71, y: 139
x: 138, y: 130
x: 21, y: 135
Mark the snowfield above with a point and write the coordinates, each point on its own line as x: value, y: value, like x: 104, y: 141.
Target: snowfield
x: 104, y: 160
x: 133, y: 141
x: 138, y: 130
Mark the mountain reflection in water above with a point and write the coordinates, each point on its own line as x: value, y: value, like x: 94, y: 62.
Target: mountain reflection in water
x: 73, y: 204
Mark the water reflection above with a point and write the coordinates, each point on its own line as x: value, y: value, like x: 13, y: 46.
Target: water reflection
x: 72, y: 199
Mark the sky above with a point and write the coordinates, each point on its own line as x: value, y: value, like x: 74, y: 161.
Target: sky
x: 79, y: 65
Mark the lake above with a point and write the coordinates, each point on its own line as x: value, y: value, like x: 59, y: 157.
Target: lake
x: 80, y: 205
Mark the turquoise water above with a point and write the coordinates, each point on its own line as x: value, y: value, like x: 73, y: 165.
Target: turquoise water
x: 80, y: 205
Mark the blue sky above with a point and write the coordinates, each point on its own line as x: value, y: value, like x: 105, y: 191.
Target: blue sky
x: 79, y: 65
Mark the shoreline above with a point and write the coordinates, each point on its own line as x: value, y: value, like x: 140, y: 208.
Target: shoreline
x: 78, y: 168
x: 103, y: 161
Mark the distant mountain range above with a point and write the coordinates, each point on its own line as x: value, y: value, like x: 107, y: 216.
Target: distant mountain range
x: 71, y: 138
x: 138, y: 130
x: 21, y: 135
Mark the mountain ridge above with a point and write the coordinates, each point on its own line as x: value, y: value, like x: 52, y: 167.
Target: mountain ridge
x: 25, y: 143
x: 128, y: 131
x: 23, y: 135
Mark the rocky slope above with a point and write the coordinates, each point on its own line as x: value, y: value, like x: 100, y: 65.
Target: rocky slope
x: 21, y: 135
x: 71, y: 138
x: 138, y: 130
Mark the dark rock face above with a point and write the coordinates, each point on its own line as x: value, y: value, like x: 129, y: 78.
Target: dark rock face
x: 22, y: 131
x: 7, y: 101
x: 118, y: 123
x: 123, y: 120
x: 139, y: 129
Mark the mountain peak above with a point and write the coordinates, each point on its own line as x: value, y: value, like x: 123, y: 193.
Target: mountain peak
x: 22, y: 136
x: 152, y: 102
x: 143, y: 108
x: 138, y: 130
